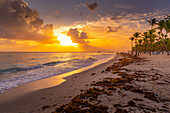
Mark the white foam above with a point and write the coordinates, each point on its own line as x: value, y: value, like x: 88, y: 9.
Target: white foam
x: 45, y: 72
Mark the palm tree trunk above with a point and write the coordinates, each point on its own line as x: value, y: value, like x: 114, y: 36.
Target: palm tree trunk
x: 163, y: 49
x: 166, y: 45
x: 145, y: 48
x: 132, y: 46
x: 136, y: 47
x: 150, y: 47
x: 158, y: 44
x: 162, y: 46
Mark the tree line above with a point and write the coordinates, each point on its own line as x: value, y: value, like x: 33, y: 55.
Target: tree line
x: 153, y: 41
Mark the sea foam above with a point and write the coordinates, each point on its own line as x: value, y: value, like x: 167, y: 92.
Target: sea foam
x: 21, y: 75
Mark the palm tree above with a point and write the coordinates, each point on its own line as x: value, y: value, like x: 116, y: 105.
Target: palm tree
x: 140, y: 42
x: 151, y: 38
x: 167, y: 29
x: 157, y: 43
x: 161, y: 26
x: 136, y: 35
x: 152, y: 22
x: 132, y: 38
x: 167, y: 17
x: 145, y: 38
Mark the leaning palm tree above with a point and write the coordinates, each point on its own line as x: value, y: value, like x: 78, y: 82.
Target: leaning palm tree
x: 132, y: 38
x: 152, y: 22
x: 136, y: 35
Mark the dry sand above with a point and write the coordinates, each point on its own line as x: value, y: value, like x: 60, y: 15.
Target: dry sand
x: 148, y: 91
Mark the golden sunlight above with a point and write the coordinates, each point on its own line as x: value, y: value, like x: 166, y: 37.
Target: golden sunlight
x: 66, y: 40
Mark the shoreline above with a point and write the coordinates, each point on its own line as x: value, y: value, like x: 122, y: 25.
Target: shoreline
x: 124, y: 84
x: 25, y: 90
x: 58, y: 79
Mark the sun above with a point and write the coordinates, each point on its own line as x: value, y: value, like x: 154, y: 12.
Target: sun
x: 66, y: 40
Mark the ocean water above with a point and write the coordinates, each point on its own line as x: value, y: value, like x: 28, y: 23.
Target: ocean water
x: 20, y: 68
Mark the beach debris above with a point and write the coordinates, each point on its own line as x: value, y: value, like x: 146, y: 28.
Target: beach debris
x: 103, y: 71
x: 131, y: 103
x: 54, y: 105
x: 93, y: 73
x: 88, y: 100
x: 151, y: 96
x: 117, y: 105
x: 81, y: 90
x: 42, y: 98
x: 119, y: 110
x: 81, y: 103
x: 69, y: 96
x: 123, y: 76
x: 137, y: 99
x: 45, y: 107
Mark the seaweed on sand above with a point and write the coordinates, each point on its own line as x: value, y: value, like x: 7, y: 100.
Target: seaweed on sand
x: 81, y: 104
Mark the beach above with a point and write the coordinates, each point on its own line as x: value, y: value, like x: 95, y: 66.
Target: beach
x: 123, y: 84
x: 84, y: 56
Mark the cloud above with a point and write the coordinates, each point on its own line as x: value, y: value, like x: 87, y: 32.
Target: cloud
x: 19, y: 21
x: 93, y: 6
x: 56, y: 12
x: 83, y: 35
x: 116, y: 18
x: 115, y: 29
x: 58, y: 15
x: 76, y: 38
x: 16, y: 45
x: 123, y: 26
x: 123, y: 6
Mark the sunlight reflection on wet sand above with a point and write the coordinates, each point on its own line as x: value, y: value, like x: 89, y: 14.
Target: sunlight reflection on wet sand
x: 44, y: 83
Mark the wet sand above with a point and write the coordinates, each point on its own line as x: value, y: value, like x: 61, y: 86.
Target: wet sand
x: 31, y: 97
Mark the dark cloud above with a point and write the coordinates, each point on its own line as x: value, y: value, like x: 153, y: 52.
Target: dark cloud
x: 116, y: 18
x: 113, y: 29
x: 92, y: 6
x: 76, y: 38
x: 83, y: 35
x: 19, y: 21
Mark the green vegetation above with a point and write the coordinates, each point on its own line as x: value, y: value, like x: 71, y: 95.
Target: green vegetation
x: 156, y: 40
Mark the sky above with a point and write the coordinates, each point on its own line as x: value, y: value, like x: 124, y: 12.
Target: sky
x: 75, y: 25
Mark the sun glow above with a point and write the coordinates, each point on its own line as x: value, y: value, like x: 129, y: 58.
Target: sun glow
x: 66, y: 40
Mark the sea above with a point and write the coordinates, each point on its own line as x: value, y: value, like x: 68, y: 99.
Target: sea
x: 17, y: 68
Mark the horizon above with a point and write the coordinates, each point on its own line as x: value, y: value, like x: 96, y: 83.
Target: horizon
x: 59, y: 52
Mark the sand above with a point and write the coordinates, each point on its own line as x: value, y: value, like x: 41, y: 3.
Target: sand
x: 30, y: 97
x: 149, y: 91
